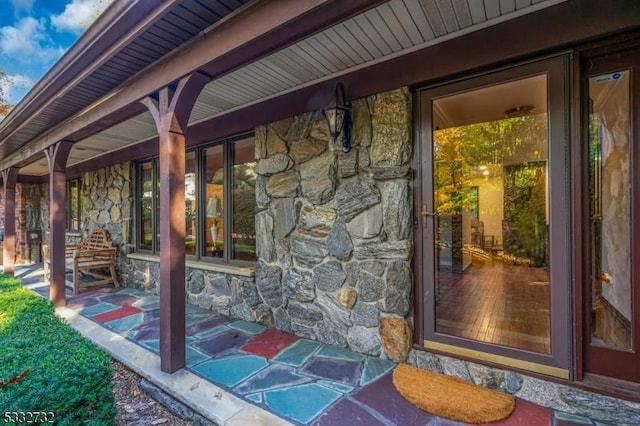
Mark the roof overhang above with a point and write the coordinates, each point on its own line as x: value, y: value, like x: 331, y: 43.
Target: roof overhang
x: 281, y: 52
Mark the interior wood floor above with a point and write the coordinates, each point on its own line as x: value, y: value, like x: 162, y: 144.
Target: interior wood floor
x: 496, y: 303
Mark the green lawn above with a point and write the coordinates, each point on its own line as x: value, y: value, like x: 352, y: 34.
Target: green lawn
x: 46, y: 366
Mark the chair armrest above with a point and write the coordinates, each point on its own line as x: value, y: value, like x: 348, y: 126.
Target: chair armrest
x: 93, y: 253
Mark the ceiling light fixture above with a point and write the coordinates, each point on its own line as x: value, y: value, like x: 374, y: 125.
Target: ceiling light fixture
x: 519, y: 111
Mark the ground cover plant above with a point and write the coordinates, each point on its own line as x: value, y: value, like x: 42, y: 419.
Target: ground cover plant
x: 48, y: 371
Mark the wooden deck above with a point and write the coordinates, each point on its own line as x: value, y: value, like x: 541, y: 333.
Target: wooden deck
x: 497, y: 303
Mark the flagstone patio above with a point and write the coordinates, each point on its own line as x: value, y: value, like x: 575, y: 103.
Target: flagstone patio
x: 299, y: 380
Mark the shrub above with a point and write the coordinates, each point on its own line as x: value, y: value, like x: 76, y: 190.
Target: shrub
x: 52, y: 367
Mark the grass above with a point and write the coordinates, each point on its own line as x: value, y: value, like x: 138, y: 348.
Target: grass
x: 47, y: 366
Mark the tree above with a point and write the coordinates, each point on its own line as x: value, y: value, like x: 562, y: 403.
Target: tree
x: 460, y: 151
x: 5, y: 107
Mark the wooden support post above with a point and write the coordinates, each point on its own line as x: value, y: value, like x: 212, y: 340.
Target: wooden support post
x: 57, y: 161
x: 170, y: 111
x: 9, y: 180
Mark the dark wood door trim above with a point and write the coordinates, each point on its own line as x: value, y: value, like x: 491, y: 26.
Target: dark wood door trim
x: 561, y: 333
x: 593, y: 359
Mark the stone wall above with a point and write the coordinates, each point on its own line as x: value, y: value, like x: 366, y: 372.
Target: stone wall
x: 106, y: 200
x: 29, y: 213
x: 334, y: 229
x: 229, y: 294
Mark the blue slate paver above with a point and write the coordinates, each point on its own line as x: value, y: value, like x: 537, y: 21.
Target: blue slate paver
x: 138, y: 293
x: 247, y: 327
x: 272, y: 377
x: 219, y: 344
x: 84, y: 302
x: 298, y: 353
x: 211, y: 332
x: 98, y: 309
x: 334, y: 352
x: 336, y: 386
x: 301, y: 403
x: 153, y: 345
x: 147, y: 305
x: 120, y: 299
x: 256, y: 397
x: 337, y: 370
x: 195, y: 357
x: 374, y: 368
x: 125, y: 324
x: 231, y: 371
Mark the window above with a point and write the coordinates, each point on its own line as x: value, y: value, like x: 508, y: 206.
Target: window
x: 243, y: 192
x: 147, y: 206
x: 73, y: 205
x: 191, y: 203
x: 219, y: 202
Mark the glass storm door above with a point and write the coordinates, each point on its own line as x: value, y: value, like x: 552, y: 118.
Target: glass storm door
x: 612, y: 345
x: 494, y: 234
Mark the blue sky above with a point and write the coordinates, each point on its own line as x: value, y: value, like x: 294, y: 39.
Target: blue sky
x: 33, y: 36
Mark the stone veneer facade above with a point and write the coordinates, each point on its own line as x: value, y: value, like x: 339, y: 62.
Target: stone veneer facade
x: 335, y: 230
x: 334, y: 236
x: 28, y: 216
x: 335, y: 243
x: 107, y: 202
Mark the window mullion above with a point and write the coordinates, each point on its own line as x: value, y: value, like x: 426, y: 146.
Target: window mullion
x: 200, y: 203
x: 155, y: 201
x: 228, y: 202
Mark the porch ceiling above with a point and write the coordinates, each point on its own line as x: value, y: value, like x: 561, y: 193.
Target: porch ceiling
x: 391, y: 29
x: 79, y: 87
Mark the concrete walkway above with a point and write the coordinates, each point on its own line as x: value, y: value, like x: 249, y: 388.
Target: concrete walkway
x: 241, y: 373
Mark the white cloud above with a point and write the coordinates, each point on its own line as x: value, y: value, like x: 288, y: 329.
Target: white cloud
x: 27, y: 41
x: 11, y: 82
x: 78, y: 15
x: 20, y: 5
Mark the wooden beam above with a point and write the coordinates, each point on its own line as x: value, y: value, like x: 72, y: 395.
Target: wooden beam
x: 254, y: 32
x: 9, y: 179
x: 57, y: 156
x: 171, y: 112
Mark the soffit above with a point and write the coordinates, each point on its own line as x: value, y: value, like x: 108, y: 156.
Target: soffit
x: 389, y: 30
x: 183, y: 21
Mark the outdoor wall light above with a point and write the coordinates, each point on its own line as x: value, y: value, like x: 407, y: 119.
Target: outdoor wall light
x: 338, y: 115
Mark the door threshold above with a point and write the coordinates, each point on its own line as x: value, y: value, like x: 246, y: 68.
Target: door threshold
x: 533, y: 367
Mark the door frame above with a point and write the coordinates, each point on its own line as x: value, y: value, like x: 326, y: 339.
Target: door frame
x: 559, y: 362
x: 593, y: 359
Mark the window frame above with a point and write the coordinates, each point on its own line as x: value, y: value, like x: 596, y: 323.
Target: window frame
x: 69, y: 204
x: 227, y: 213
x: 139, y: 190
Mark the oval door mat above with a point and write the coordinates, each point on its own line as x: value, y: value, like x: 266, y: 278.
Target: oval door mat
x: 451, y: 397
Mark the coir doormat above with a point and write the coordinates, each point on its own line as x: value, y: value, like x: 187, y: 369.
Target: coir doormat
x: 451, y: 397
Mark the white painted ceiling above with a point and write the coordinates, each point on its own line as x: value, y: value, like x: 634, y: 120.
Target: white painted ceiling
x: 389, y: 30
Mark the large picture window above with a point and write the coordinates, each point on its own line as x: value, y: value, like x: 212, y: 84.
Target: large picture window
x: 219, y: 202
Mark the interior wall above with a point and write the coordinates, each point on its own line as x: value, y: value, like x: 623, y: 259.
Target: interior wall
x: 491, y: 205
